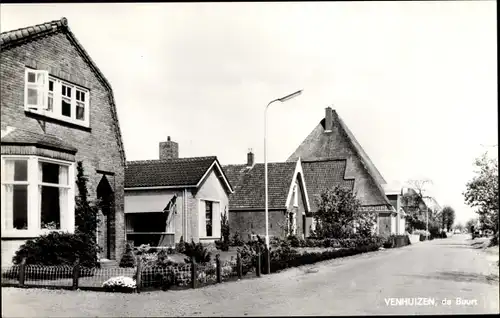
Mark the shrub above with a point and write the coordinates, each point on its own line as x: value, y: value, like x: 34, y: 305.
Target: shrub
x: 284, y: 257
x: 197, y: 251
x: 120, y: 284
x: 224, y: 228
x: 128, y: 258
x: 58, y: 248
x: 143, y: 248
x: 149, y: 259
x: 86, y: 220
x: 296, y: 241
x: 248, y: 253
x: 236, y: 240
x: 222, y: 245
x: 181, y: 246
x: 389, y: 242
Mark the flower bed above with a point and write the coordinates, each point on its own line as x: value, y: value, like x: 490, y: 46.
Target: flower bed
x: 121, y: 284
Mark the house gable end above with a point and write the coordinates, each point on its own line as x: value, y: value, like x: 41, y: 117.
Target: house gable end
x: 339, y: 144
x: 14, y: 38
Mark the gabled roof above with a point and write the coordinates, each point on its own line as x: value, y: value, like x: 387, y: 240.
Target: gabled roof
x: 249, y: 189
x: 172, y: 173
x: 12, y: 38
x: 324, y: 174
x: 25, y: 137
x: 321, y: 145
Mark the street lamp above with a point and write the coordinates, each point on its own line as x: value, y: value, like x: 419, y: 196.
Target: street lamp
x: 282, y: 99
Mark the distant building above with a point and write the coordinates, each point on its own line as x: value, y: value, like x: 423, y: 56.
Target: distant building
x: 331, y: 139
x: 288, y: 199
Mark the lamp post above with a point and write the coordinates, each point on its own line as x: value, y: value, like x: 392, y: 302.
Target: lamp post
x: 282, y: 99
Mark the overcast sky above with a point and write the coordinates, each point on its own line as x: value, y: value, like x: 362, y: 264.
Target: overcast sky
x: 416, y: 82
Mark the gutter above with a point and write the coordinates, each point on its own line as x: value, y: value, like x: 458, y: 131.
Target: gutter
x: 160, y: 187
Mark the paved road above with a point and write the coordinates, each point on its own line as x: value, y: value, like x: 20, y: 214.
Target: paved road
x: 433, y: 272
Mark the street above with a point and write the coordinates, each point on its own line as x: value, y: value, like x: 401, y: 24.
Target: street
x: 447, y: 276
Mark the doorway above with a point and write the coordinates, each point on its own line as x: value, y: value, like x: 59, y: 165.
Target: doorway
x: 105, y: 195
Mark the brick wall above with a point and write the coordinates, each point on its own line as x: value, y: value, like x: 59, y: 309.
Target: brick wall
x: 384, y: 224
x: 254, y: 222
x: 98, y: 147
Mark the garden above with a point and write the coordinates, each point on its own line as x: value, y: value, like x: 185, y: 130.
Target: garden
x: 64, y: 260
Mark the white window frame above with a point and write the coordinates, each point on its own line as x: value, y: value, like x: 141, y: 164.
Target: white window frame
x: 202, y: 220
x: 42, y: 108
x: 67, y: 222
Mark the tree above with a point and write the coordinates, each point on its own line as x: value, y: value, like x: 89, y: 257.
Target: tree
x: 447, y: 218
x: 482, y: 192
x: 470, y: 224
x: 337, y: 212
x: 414, y: 205
x: 86, y: 220
x: 459, y: 227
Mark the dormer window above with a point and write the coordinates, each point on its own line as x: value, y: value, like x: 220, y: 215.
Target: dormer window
x: 52, y: 97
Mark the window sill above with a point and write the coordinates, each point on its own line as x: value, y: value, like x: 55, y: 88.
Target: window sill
x: 41, y: 115
x: 26, y: 234
x: 205, y: 238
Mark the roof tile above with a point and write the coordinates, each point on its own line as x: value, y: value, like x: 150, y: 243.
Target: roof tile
x: 170, y: 172
x: 248, y: 184
x: 324, y: 174
x: 25, y: 137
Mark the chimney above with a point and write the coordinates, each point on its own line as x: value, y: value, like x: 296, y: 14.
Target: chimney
x: 250, y: 158
x: 328, y: 119
x: 169, y: 149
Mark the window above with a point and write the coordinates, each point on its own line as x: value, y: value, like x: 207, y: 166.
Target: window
x: 208, y: 217
x: 52, y: 97
x: 15, y: 196
x: 295, y: 196
x: 53, y: 193
x: 37, y: 195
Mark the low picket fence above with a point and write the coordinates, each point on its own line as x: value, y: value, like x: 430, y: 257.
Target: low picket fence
x: 190, y: 275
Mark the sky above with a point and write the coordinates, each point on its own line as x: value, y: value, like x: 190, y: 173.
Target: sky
x: 416, y: 82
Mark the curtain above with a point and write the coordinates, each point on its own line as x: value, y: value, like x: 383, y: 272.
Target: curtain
x: 63, y: 175
x: 63, y: 197
x: 9, y: 169
x: 202, y: 224
x: 8, y: 174
x: 216, y: 218
x: 63, y: 208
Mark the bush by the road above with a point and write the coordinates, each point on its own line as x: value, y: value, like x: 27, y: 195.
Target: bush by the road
x: 58, y: 249
x: 284, y: 256
x: 353, y: 241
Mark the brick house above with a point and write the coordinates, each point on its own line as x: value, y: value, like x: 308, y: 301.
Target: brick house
x: 288, y: 201
x: 173, y: 197
x: 57, y: 108
x: 331, y: 139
